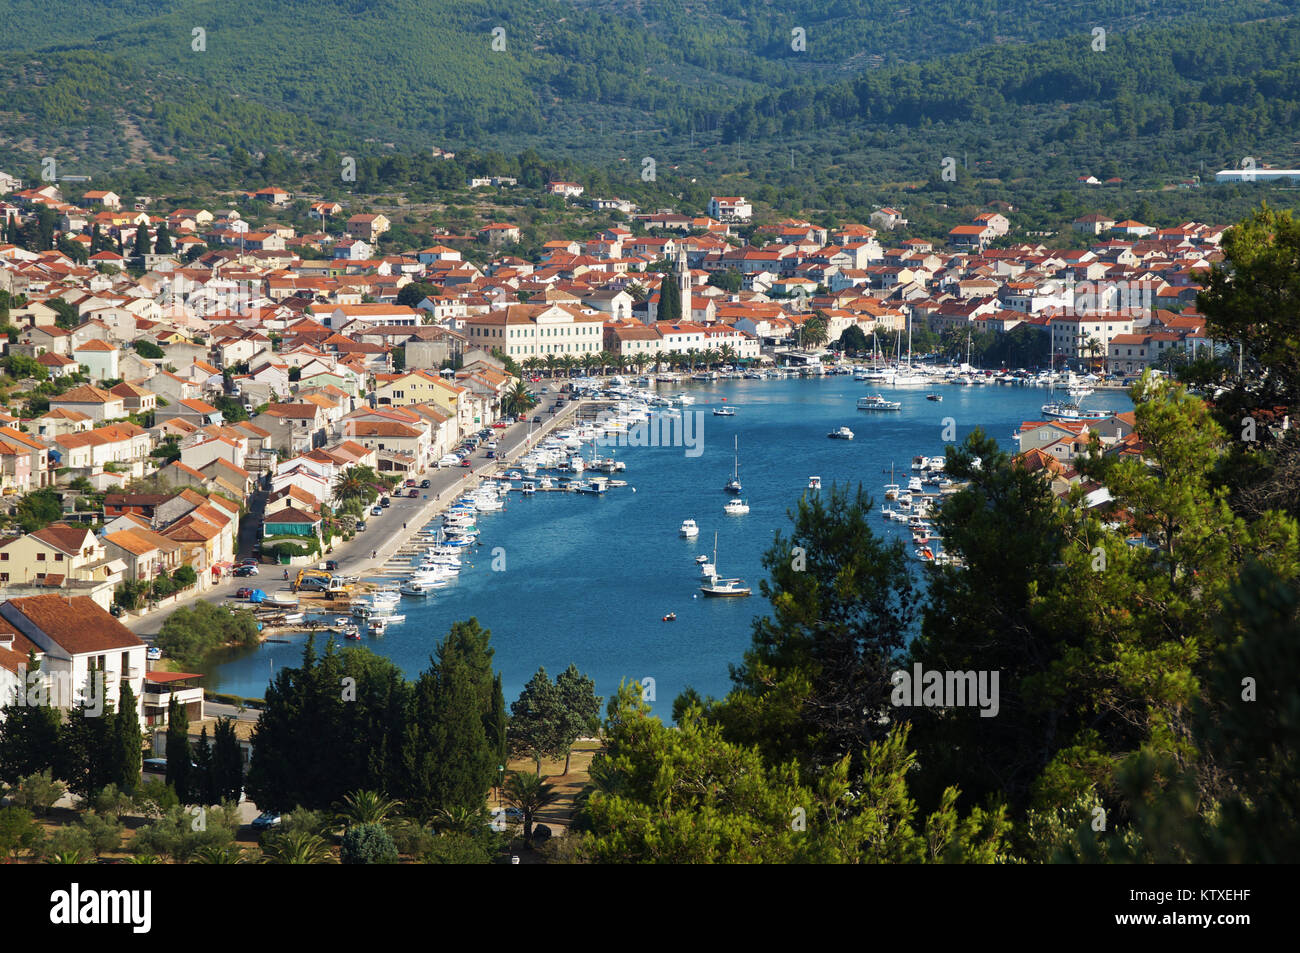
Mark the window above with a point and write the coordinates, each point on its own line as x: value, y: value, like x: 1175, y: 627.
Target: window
x: 40, y: 557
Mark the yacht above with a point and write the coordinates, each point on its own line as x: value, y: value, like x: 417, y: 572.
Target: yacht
x: 528, y: 488
x: 377, y: 626
x: 733, y: 485
x: 877, y: 402
x: 736, y: 507
x: 689, y: 530
x: 814, y: 483
x: 843, y: 433
x: 1070, y: 410
x: 717, y: 586
x: 934, y: 397
x: 724, y: 411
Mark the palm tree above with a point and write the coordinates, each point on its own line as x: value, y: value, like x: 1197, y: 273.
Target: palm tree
x: 530, y: 793
x: 711, y: 357
x: 365, y: 807
x: 298, y: 847
x: 212, y: 854
x: 588, y: 363
x: 1092, y: 347
x: 354, y: 483
x: 462, y: 820
x: 640, y: 361
x: 518, y: 400
x: 728, y: 354
x: 567, y: 363
x: 532, y: 365
x: 551, y: 362
x: 814, y: 330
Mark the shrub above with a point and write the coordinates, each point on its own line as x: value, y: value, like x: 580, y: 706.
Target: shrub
x: 368, y: 844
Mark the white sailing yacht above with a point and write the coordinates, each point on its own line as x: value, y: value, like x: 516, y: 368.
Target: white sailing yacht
x: 733, y: 485
x: 717, y: 586
x: 905, y: 376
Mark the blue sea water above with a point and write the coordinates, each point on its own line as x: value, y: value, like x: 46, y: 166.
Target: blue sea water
x: 588, y: 579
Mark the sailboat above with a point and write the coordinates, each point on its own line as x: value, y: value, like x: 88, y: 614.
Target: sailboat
x: 733, y: 485
x: 905, y: 376
x: 717, y: 586
x: 877, y: 374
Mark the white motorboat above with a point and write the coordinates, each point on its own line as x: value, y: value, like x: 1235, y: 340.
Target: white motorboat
x: 877, y: 402
x: 736, y: 507
x: 914, y: 485
x: 377, y: 626
x: 414, y: 587
x: 724, y: 412
x: 689, y: 529
x: 843, y: 433
x: 528, y: 488
x: 814, y: 483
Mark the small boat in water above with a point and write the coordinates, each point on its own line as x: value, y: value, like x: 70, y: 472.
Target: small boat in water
x: 877, y: 402
x: 736, y: 507
x: 814, y: 483
x: 671, y: 617
x: 843, y: 433
x: 934, y: 397
x: 724, y: 412
x: 689, y: 529
x: 733, y: 485
x: 717, y: 586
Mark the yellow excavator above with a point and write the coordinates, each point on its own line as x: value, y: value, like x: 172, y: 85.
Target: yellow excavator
x: 319, y: 580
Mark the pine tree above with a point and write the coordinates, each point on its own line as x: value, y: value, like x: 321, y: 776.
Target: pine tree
x: 537, y: 720
x: 581, y: 707
x: 29, y: 734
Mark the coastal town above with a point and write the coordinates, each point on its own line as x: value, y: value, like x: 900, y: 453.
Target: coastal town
x: 196, y: 398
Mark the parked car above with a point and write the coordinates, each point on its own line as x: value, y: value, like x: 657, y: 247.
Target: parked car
x: 465, y: 462
x: 245, y: 570
x: 361, y: 526
x: 413, y: 493
x: 491, y: 454
x: 409, y: 483
x: 265, y: 820
x: 424, y: 484
x: 156, y: 765
x: 376, y: 511
x: 501, y: 425
x: 331, y: 565
x: 115, y: 610
x: 537, y: 419
x: 243, y: 592
x: 385, y: 501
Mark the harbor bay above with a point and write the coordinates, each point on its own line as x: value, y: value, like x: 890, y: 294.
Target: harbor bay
x: 588, y: 579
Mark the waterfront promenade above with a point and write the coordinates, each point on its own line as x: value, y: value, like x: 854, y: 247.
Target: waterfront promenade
x: 385, y: 535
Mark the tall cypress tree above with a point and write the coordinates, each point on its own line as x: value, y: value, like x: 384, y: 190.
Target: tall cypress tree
x: 227, y: 761
x: 127, y: 741
x: 205, y: 786
x: 670, y: 300
x: 141, y: 246
x: 449, y: 762
x: 180, y: 770
x: 162, y: 244
x: 495, y: 722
